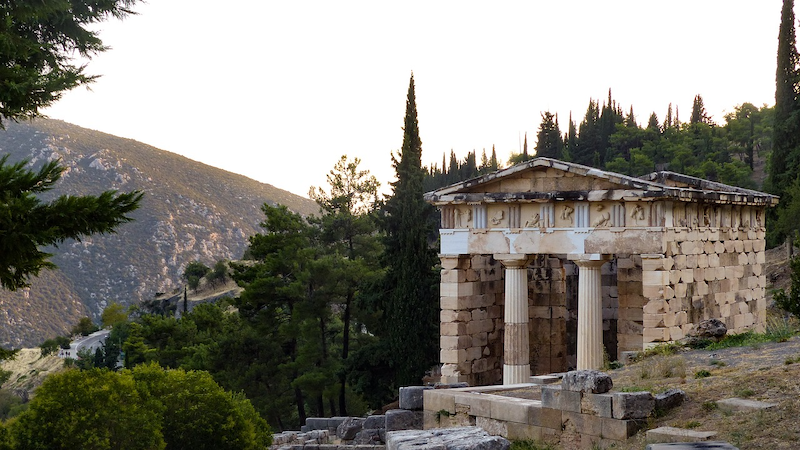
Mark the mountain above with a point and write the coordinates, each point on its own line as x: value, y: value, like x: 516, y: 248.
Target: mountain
x: 190, y: 211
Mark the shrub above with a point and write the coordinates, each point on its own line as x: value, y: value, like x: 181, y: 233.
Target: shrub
x: 703, y: 373
x: 147, y: 408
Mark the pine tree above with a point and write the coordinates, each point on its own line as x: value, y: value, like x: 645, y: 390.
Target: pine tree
x: 785, y: 160
x: 28, y: 223
x: 39, y: 43
x: 652, y: 123
x: 411, y: 310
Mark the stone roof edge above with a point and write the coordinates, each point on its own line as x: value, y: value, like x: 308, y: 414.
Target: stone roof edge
x: 702, y: 184
x: 645, y: 183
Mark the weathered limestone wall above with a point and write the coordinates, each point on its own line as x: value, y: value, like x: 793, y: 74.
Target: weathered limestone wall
x: 471, y: 316
x: 705, y: 273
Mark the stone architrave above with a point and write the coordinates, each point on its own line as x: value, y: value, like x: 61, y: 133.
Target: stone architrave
x: 516, y: 349
x: 590, y: 311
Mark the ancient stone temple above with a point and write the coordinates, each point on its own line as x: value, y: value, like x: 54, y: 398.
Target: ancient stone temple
x: 548, y: 265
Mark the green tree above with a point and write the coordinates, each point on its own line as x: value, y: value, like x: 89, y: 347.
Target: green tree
x: 348, y: 230
x: 113, y: 315
x: 51, y: 346
x: 785, y: 159
x: 194, y: 272
x: 92, y: 409
x: 275, y: 286
x: 411, y: 308
x: 549, y: 143
x: 84, y: 327
x: 699, y: 114
x: 39, y: 43
x: 28, y: 223
x: 197, y: 413
x: 588, y: 148
x: 218, y: 274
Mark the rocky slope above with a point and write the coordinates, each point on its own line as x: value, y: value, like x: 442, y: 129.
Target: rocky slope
x: 190, y: 211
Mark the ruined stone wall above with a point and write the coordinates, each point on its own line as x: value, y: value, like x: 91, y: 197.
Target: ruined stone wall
x: 705, y: 273
x: 549, y: 313
x: 471, y: 316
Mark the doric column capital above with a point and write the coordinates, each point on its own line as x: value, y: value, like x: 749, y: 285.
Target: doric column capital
x: 511, y: 260
x: 589, y: 259
x: 456, y: 261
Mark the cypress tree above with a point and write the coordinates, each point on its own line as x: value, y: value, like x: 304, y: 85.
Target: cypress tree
x: 587, y: 149
x: 548, y: 140
x: 786, y: 142
x: 411, y: 310
x: 570, y: 140
x: 493, y: 160
x: 525, y: 156
x: 699, y: 114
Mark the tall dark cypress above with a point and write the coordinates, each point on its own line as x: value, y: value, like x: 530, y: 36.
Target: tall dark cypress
x: 411, y: 311
x: 570, y: 140
x: 786, y: 142
x: 549, y: 142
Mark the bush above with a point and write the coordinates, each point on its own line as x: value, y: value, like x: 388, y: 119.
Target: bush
x: 147, y: 408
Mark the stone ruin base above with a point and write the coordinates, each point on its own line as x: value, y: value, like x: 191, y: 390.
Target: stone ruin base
x: 578, y: 413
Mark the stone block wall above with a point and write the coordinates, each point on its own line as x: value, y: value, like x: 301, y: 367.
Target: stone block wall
x: 472, y: 316
x: 572, y: 419
x: 704, y: 273
x: 549, y: 314
x: 471, y: 335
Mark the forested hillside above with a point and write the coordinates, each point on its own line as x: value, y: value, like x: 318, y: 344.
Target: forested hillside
x: 190, y: 211
x: 732, y: 151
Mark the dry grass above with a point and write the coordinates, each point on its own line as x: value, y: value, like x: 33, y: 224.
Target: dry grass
x: 766, y: 373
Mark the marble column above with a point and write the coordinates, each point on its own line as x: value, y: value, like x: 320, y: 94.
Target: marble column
x: 516, y: 348
x: 590, y: 311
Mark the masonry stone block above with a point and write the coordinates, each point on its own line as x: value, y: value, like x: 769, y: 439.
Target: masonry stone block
x: 461, y: 438
x: 556, y: 398
x: 597, y: 404
x: 572, y: 422
x: 402, y: 419
x: 438, y: 400
x: 655, y: 335
x: 521, y: 431
x: 592, y: 381
x: 511, y: 409
x: 620, y: 430
x: 375, y: 421
x: 666, y: 435
x: 411, y: 397
x: 633, y: 405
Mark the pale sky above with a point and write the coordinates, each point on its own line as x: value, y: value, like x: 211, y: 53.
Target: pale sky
x: 278, y: 91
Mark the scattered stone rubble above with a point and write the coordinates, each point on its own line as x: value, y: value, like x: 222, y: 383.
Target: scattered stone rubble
x: 361, y: 433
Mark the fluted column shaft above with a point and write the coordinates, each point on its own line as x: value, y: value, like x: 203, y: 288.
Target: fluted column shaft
x: 590, y: 312
x: 516, y: 349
